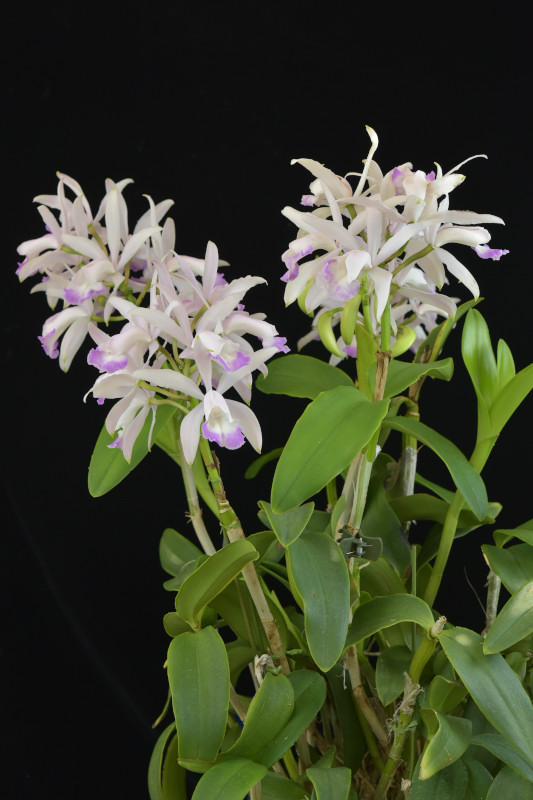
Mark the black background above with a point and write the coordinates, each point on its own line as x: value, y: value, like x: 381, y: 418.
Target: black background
x: 207, y: 104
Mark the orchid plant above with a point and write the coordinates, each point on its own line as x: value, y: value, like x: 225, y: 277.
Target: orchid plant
x: 308, y: 658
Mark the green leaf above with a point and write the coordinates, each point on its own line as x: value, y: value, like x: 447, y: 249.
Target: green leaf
x: 309, y: 695
x: 166, y: 778
x: 463, y: 474
x: 108, y: 467
x: 497, y: 745
x: 330, y: 784
x: 258, y: 463
x: 175, y: 551
x: 379, y: 613
x: 230, y: 780
x: 390, y: 668
x: 211, y: 577
x: 198, y: 674
x: 437, y: 337
x: 332, y: 430
x: 320, y: 575
x: 402, y: 374
x: 240, y: 654
x: 379, y: 578
x: 514, y: 565
x: 447, y: 784
x: 269, y: 712
x: 301, y: 376
x: 513, y: 623
x: 509, y: 784
x: 493, y: 686
x: 277, y: 787
x: 353, y: 741
x: 478, y: 356
x: 380, y: 520
x: 479, y: 780
x: 505, y: 362
x: 524, y: 532
x: 425, y: 506
x: 510, y: 397
x: 444, y: 695
x: 289, y: 525
x: 447, y: 745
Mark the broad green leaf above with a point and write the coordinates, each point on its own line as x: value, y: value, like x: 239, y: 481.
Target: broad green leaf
x: 499, y: 747
x: 447, y: 745
x: 380, y: 520
x: 379, y: 578
x: 258, y: 463
x: 479, y: 780
x: 524, y: 532
x: 277, y: 787
x: 198, y: 674
x: 211, y: 577
x: 440, y: 491
x: 353, y: 741
x: 513, y: 565
x: 448, y: 784
x: 164, y: 773
x: 402, y: 374
x: 392, y: 663
x: 510, y: 397
x: 332, y: 430
x: 289, y: 525
x: 320, y: 575
x: 330, y: 784
x: 240, y: 654
x: 108, y: 467
x: 463, y: 474
x: 309, y: 695
x: 382, y: 612
x: 444, y: 695
x: 425, y: 506
x: 513, y: 623
x: 269, y: 712
x: 230, y: 780
x: 509, y: 784
x: 478, y: 356
x: 493, y: 686
x: 175, y: 551
x: 301, y: 376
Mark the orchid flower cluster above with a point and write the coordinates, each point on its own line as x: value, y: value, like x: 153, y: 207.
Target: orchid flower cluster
x: 186, y: 345
x: 384, y: 239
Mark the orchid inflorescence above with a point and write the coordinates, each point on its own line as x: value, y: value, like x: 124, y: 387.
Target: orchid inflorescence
x: 188, y: 334
x: 382, y: 252
x: 377, y: 256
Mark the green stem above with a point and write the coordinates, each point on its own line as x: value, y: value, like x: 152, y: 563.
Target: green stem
x: 234, y: 532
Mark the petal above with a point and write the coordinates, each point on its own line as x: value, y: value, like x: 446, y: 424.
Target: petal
x: 190, y: 432
x: 168, y: 379
x: 248, y: 422
x: 459, y: 270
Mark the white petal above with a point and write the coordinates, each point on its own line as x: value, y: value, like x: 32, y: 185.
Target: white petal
x: 248, y: 422
x: 190, y: 432
x: 134, y: 244
x: 459, y: 270
x: 382, y: 281
x: 87, y: 247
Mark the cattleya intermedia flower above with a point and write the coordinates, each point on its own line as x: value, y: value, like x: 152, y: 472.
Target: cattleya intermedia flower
x: 183, y: 326
x: 382, y: 241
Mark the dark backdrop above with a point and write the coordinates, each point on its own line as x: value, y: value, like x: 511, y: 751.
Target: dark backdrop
x: 206, y: 103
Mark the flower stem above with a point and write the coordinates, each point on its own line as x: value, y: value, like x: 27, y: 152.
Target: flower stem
x: 195, y: 512
x: 234, y: 532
